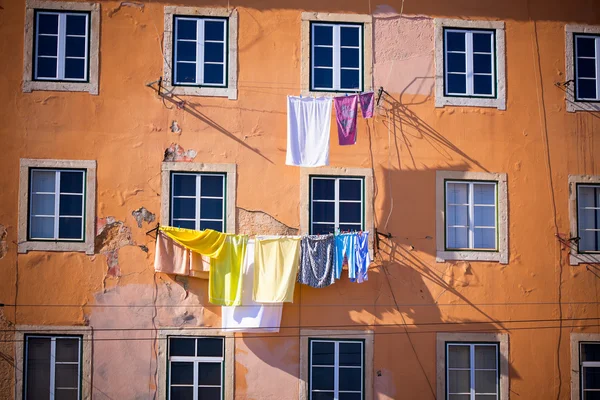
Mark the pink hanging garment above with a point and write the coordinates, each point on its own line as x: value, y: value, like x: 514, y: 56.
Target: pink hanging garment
x: 345, y: 115
x: 366, y: 104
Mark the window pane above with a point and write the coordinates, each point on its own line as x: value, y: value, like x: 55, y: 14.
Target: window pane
x: 456, y: 84
x: 322, y: 378
x: 349, y: 58
x: 66, y: 375
x: 587, y: 218
x: 67, y: 350
x: 323, y: 212
x: 210, y: 347
x: 42, y: 228
x: 590, y: 352
x: 38, y: 368
x: 482, y: 84
x: 322, y: 229
x: 457, y: 193
x: 47, y: 45
x: 350, y: 354
x: 66, y: 394
x: 484, y: 215
x: 182, y: 393
x: 458, y: 238
x: 324, y: 189
x: 485, y: 357
x: 322, y: 35
x: 459, y: 356
x: 184, y: 224
x: 214, y: 74
x: 459, y: 397
x: 184, y: 185
x: 182, y: 347
x: 42, y: 204
x: 211, y: 209
x: 586, y: 67
x: 212, y: 185
x: 184, y: 208
x: 214, y: 225
x: 182, y: 373
x: 458, y: 215
x: 186, y: 51
x: 323, y: 78
x: 457, y: 62
x: 209, y: 373
x: 186, y: 29
x: 46, y: 67
x: 43, y: 181
x: 74, y: 68
x: 350, y: 227
x: 70, y: 228
x: 591, y: 377
x: 186, y: 73
x: 350, y: 79
x: 350, y: 212
x: 484, y: 238
x: 213, y: 52
x: 482, y: 63
x: 71, y: 182
x: 214, y: 30
x: 350, y: 396
x: 484, y: 194
x: 586, y: 89
x: 322, y: 353
x: 47, y: 23
x: 209, y: 393
x: 323, y: 57
x: 586, y: 47
x: 350, y: 379
x: 350, y: 189
x: 71, y: 204
x: 591, y: 395
x: 349, y: 36
x: 455, y: 41
x: 322, y: 396
x: 485, y: 381
x: 76, y: 24
x: 587, y: 241
x: 75, y: 46
x: 459, y: 381
x: 482, y: 42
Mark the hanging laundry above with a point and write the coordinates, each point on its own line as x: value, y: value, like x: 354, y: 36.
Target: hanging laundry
x: 345, y: 246
x: 252, y: 316
x: 275, y: 268
x: 367, y: 103
x: 316, y: 261
x: 172, y: 258
x: 362, y: 258
x: 208, y: 242
x: 225, y: 284
x: 345, y: 116
x: 308, y: 129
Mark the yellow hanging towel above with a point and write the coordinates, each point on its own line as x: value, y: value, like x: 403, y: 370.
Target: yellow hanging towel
x: 275, y: 268
x: 225, y: 282
x: 208, y: 242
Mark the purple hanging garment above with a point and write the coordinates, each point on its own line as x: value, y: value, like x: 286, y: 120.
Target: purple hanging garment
x: 366, y: 104
x: 345, y: 115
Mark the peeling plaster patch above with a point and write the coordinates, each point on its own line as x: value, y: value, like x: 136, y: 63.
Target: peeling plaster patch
x: 258, y: 222
x: 177, y: 153
x: 135, y: 4
x: 141, y: 215
x: 111, y: 236
x: 144, y: 248
x: 175, y: 128
x: 3, y: 244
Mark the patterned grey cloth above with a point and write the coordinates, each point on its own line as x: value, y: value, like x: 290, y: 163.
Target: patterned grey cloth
x: 316, y: 261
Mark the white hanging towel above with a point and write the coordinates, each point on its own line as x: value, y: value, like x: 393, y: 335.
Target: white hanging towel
x: 251, y: 316
x: 308, y: 127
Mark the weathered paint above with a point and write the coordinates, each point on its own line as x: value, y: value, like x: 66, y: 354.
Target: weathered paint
x: 127, y: 127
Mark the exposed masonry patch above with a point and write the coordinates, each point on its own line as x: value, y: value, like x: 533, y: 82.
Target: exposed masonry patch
x: 258, y: 222
x: 175, y: 128
x: 111, y: 237
x: 135, y: 4
x: 141, y: 215
x: 177, y: 153
x: 3, y: 244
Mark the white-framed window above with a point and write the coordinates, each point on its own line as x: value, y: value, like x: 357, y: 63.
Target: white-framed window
x: 588, y: 218
x: 198, y: 200
x: 53, y: 367
x: 57, y: 204
x: 61, y: 45
x: 196, y: 367
x: 469, y: 62
x: 471, y: 215
x: 200, y: 51
x: 336, y: 369
x: 472, y: 371
x: 336, y: 204
x: 336, y: 57
x: 587, y: 67
x: 589, y: 370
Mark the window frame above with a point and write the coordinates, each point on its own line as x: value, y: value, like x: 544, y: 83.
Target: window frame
x: 579, y: 251
x: 86, y: 244
x: 572, y: 103
x: 575, y: 69
x: 500, y: 254
x: 200, y: 65
x: 576, y: 368
x: 472, y: 368
x: 582, y: 364
x: 471, y: 217
x: 576, y: 256
x: 336, y: 200
x: 336, y: 52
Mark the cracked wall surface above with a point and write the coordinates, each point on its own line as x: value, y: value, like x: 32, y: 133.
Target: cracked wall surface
x: 3, y: 243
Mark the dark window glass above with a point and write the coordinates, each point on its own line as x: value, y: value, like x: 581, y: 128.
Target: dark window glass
x: 182, y: 373
x: 210, y: 347
x: 323, y: 57
x: 69, y: 228
x: 212, y: 185
x: 74, y: 68
x: 211, y: 209
x: 71, y: 204
x: 350, y: 212
x: 185, y: 224
x: 213, y: 52
x: 182, y: 393
x: 214, y: 30
x: 590, y: 352
x: 322, y: 35
x: 586, y: 47
x: 350, y: 227
x: 456, y: 62
x: 358, y: 396
x: 186, y: 72
x: 76, y: 25
x: 322, y: 229
x: 482, y: 84
x: 349, y: 36
x: 209, y: 373
x: 184, y: 185
x: 38, y: 368
x: 186, y: 29
x: 350, y: 79
x: 457, y: 84
x: 209, y: 393
x: 322, y: 395
x: 586, y: 89
x: 71, y: 182
x: 351, y: 354
x: 322, y: 378
x: 66, y: 375
x: 186, y: 51
x: 214, y: 225
x: 323, y: 211
x: 350, y: 189
x: 182, y: 347
x: 67, y: 350
x: 482, y: 63
x: 323, y: 189
x: 323, y: 78
x: 46, y: 67
x: 47, y: 24
x: 350, y: 379
x: 350, y: 58
x: 455, y: 41
x: 213, y: 74
x: 184, y: 208
x: 482, y: 42
x: 48, y: 46
x: 586, y: 68
x: 66, y: 394
x: 591, y: 378
x: 322, y: 353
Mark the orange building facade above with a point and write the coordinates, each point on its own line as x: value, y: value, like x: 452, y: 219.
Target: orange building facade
x: 479, y: 189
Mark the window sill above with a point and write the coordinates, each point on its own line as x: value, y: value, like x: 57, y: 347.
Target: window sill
x: 576, y: 258
x: 82, y: 247
x: 30, y: 86
x: 229, y: 92
x: 577, y: 105
x: 309, y: 93
x: 443, y: 256
x: 442, y: 101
